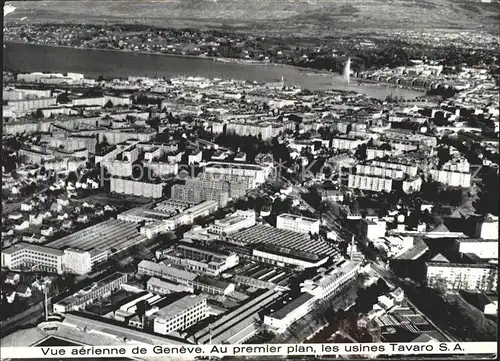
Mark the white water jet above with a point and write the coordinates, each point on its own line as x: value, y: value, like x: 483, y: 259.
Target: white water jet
x: 347, y: 71
x: 7, y: 9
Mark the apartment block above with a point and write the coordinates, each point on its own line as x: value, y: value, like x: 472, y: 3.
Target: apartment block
x: 454, y: 276
x: 258, y: 173
x: 372, y: 153
x: 136, y: 188
x: 346, y: 143
x: 193, y: 194
x: 410, y: 169
x: 263, y: 129
x: 370, y: 183
x: 451, y: 178
x: 25, y: 106
x: 411, y: 185
x: 373, y: 170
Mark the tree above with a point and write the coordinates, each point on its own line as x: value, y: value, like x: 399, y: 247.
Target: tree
x: 104, y: 141
x: 154, y: 123
x: 354, y: 207
x: 142, y: 307
x: 361, y: 152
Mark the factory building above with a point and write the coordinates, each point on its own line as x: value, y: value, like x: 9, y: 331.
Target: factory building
x: 296, y: 223
x: 91, y: 294
x: 199, y: 259
x: 233, y: 223
x: 180, y: 315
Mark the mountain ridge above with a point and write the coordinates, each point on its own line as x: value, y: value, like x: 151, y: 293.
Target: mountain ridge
x: 283, y: 14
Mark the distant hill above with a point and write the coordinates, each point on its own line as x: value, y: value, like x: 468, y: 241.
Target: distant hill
x: 302, y: 16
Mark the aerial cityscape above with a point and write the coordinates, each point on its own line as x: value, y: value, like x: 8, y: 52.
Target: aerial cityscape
x: 173, y: 179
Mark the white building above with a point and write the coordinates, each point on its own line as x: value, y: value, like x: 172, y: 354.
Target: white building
x: 257, y: 172
x: 411, y: 185
x: 487, y: 228
x: 81, y: 262
x: 379, y: 171
x: 49, y: 259
x: 376, y: 184
x: 180, y: 314
x: 196, y: 157
x: 451, y: 178
x: 346, y: 143
x: 233, y: 223
x: 296, y: 223
x: 286, y: 311
x: 31, y: 255
x: 375, y: 228
x: 329, y: 282
x: 453, y: 276
x: 483, y: 248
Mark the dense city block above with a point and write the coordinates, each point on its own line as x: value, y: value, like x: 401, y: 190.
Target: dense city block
x: 192, y: 210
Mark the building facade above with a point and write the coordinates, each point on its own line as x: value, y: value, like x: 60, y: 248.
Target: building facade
x: 180, y: 314
x: 369, y: 183
x: 451, y: 178
x: 453, y: 276
x: 296, y: 223
x: 136, y: 188
x: 30, y: 255
x: 91, y: 294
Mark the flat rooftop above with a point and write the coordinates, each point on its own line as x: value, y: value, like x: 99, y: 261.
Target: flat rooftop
x: 175, y: 308
x: 415, y: 252
x: 288, y: 252
x: 236, y: 320
x: 96, y: 285
x: 266, y: 234
x: 474, y: 240
x: 233, y: 165
x: 167, y: 271
x: 461, y: 265
x: 230, y: 220
x: 32, y: 247
x: 284, y: 305
x: 107, y: 235
x: 295, y: 217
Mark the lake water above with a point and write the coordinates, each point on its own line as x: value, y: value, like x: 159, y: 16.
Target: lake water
x: 93, y: 63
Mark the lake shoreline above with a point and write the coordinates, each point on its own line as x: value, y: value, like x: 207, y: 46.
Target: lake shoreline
x: 215, y: 59
x: 30, y: 57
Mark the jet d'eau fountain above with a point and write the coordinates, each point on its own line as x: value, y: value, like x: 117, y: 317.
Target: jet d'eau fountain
x: 7, y: 9
x: 347, y: 71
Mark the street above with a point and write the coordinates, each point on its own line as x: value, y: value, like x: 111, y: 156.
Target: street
x: 378, y: 266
